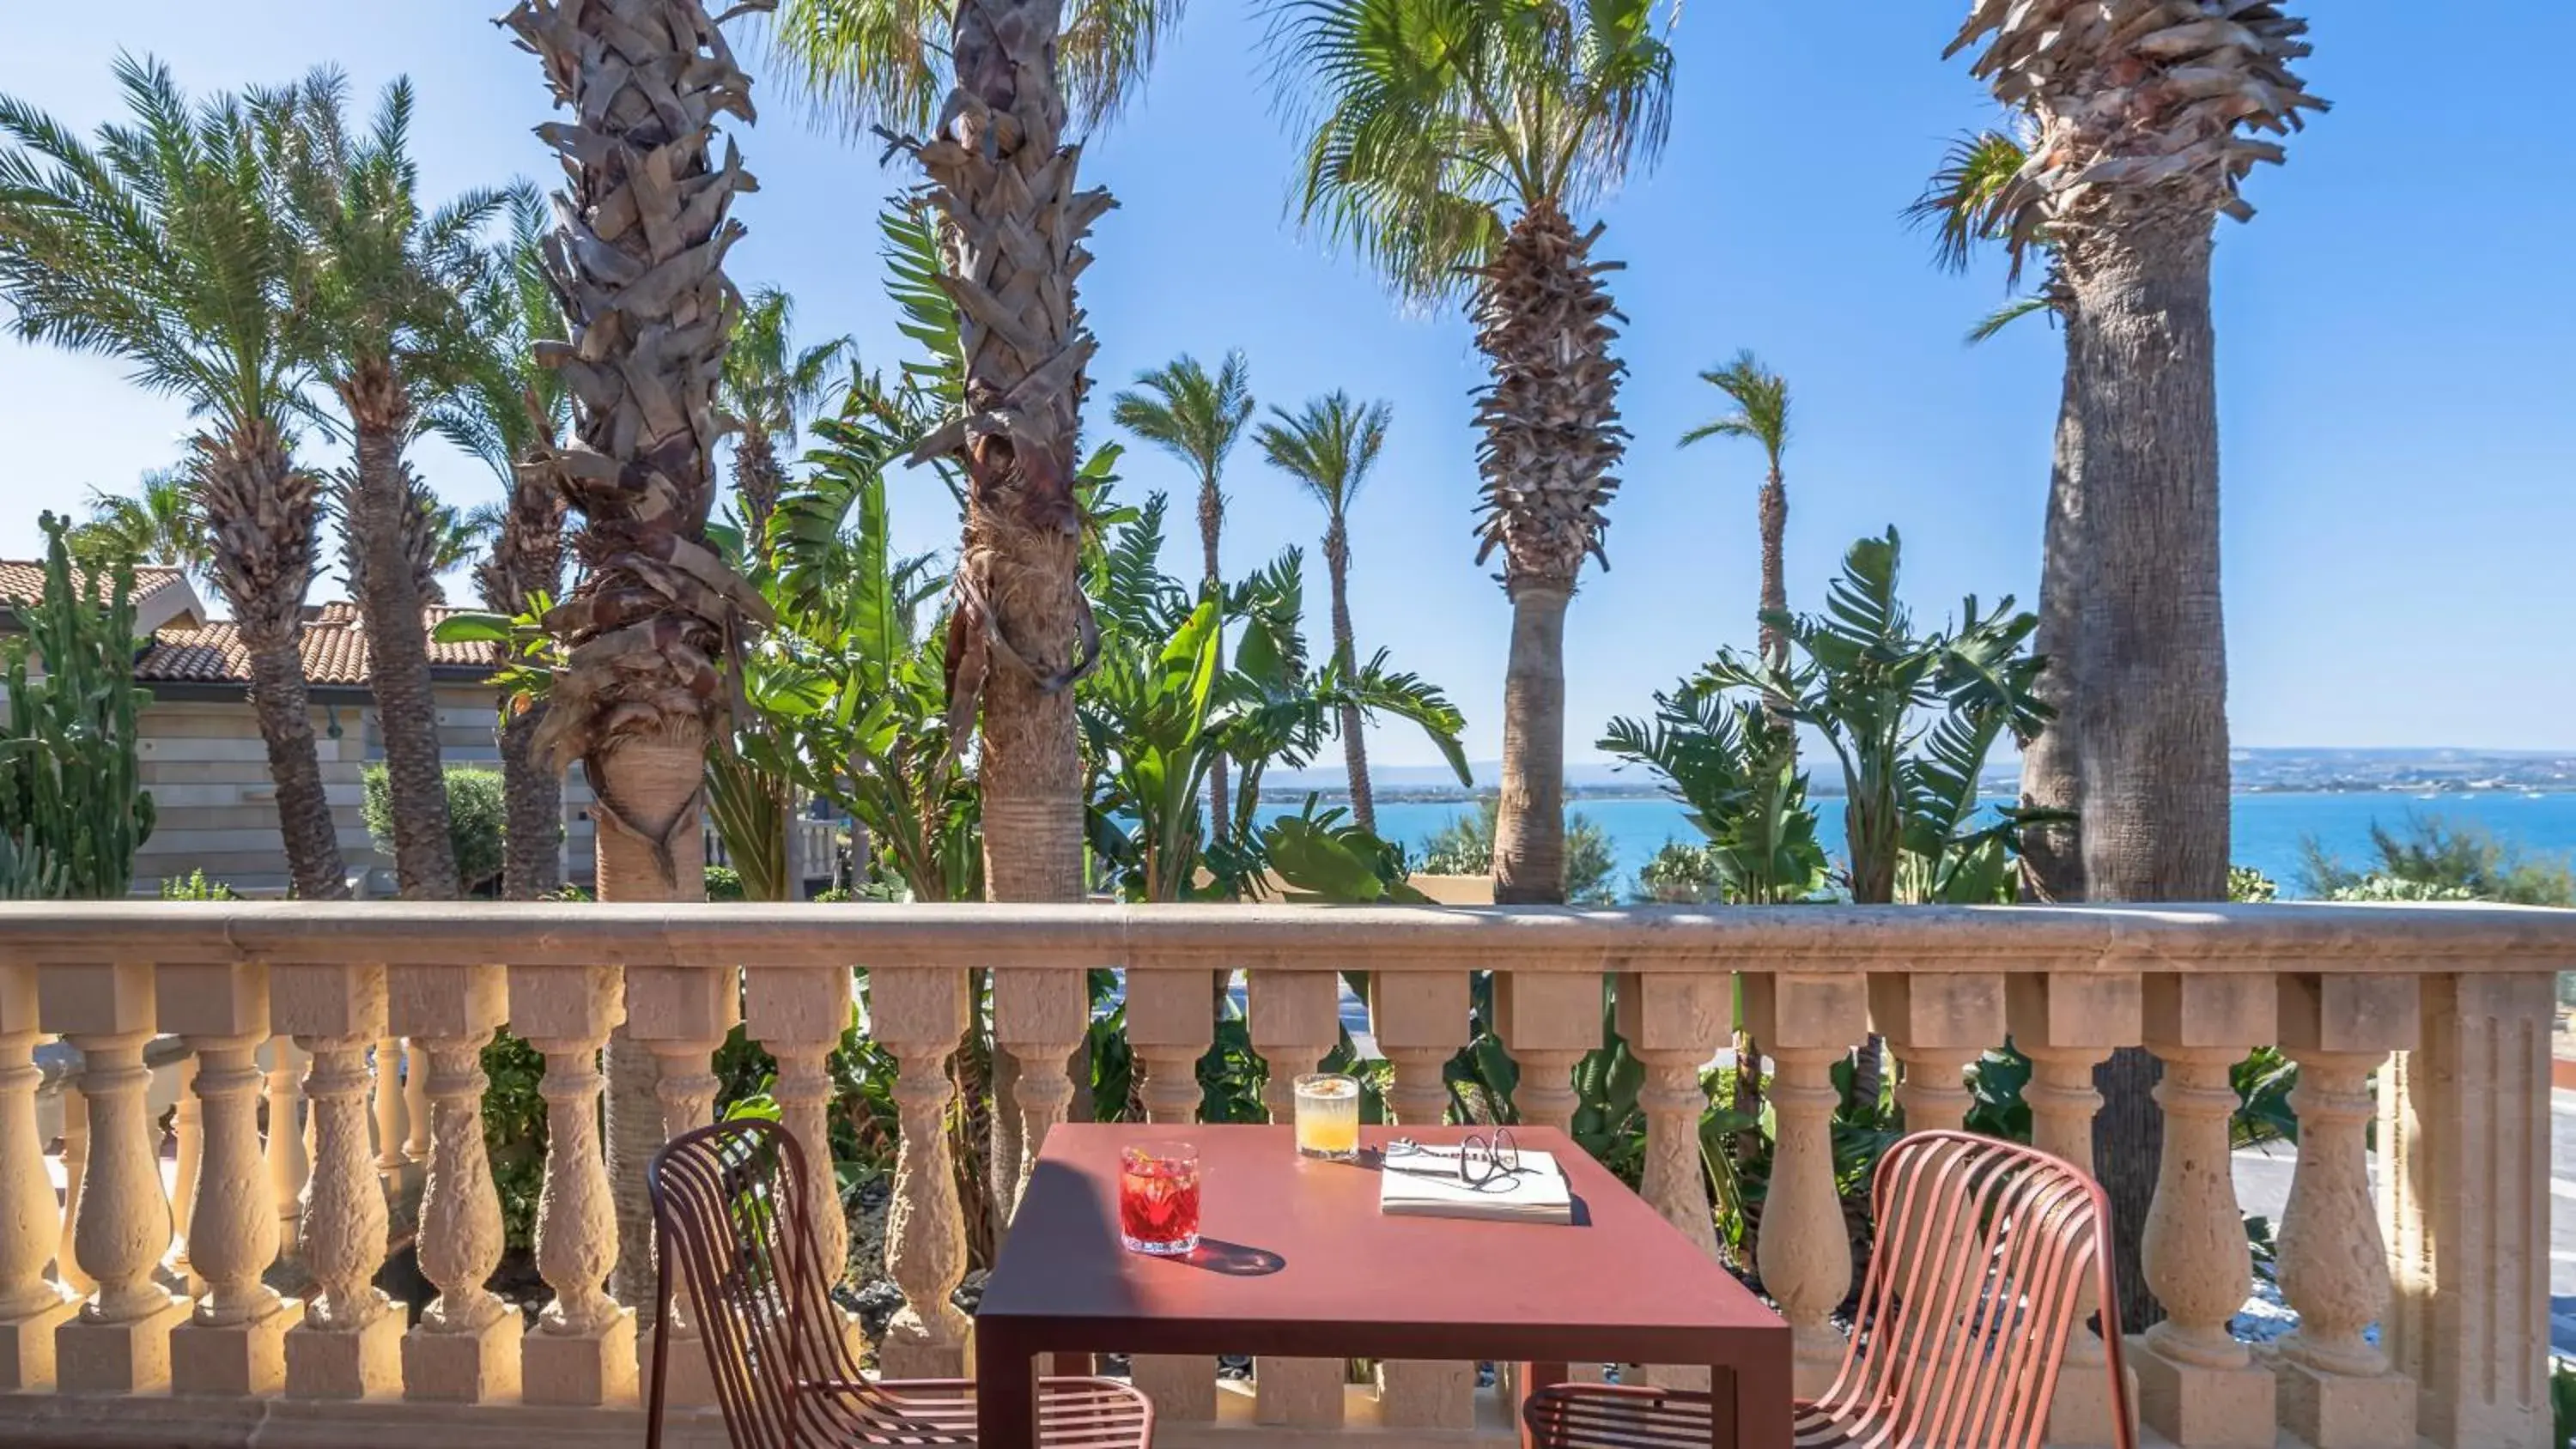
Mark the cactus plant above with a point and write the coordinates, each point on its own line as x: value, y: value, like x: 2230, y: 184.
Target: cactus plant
x: 73, y: 810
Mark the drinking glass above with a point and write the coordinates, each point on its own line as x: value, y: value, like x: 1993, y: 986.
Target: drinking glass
x: 1328, y: 1117
x: 1158, y: 1199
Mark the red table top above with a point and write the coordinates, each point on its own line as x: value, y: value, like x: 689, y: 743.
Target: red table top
x: 1295, y: 1258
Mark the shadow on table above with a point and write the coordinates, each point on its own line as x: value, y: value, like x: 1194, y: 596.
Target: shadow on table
x: 1234, y: 1260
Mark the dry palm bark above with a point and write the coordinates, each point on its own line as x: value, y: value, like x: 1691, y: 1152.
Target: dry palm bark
x: 2145, y: 111
x: 388, y: 544
x: 264, y: 514
x: 1337, y: 567
x: 1552, y: 435
x: 638, y: 262
x: 757, y: 479
x: 1011, y: 236
x: 527, y: 561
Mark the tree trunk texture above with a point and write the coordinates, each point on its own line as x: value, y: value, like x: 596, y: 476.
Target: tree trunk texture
x: 759, y: 482
x: 2052, y: 855
x: 263, y: 520
x: 1775, y: 566
x: 1337, y: 567
x: 2128, y: 1144
x: 1529, y: 830
x: 532, y: 850
x: 527, y: 561
x: 389, y: 598
x: 1211, y: 528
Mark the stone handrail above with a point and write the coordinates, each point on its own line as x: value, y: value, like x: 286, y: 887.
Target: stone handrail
x: 393, y: 1002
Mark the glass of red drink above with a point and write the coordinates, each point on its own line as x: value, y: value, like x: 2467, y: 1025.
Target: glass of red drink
x: 1158, y: 1199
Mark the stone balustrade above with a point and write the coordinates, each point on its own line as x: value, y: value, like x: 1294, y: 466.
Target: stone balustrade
x: 335, y: 1051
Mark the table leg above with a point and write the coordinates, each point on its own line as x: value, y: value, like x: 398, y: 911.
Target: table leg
x: 1006, y: 1397
x: 1534, y: 1377
x: 1753, y: 1407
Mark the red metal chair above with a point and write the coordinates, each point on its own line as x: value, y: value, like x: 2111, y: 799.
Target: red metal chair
x: 729, y: 1212
x: 1983, y: 1251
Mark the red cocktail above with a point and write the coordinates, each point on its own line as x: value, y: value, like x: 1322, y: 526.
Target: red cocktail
x: 1158, y: 1199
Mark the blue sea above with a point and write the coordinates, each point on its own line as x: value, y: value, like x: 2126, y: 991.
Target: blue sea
x: 2269, y: 826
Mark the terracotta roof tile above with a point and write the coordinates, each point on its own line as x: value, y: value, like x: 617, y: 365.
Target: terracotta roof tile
x: 335, y: 651
x: 20, y: 579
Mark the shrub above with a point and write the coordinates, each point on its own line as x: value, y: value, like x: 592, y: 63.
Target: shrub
x: 724, y: 883
x: 477, y: 820
x: 195, y: 887
x: 1680, y: 874
x: 2434, y: 860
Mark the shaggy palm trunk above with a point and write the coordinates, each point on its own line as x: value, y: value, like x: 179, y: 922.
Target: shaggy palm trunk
x: 1337, y: 566
x: 2052, y: 855
x: 380, y: 505
x: 1211, y: 525
x: 1552, y: 434
x: 532, y: 850
x: 639, y: 264
x: 1774, y: 508
x: 261, y: 515
x: 759, y: 482
x: 526, y: 561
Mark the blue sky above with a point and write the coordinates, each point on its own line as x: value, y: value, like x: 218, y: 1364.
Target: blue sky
x: 2397, y: 333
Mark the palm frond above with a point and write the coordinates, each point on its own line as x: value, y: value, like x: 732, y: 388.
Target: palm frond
x: 1761, y: 399
x: 1329, y: 446
x: 864, y: 66
x: 1189, y: 414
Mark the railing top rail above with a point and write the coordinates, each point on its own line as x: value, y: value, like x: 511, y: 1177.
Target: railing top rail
x: 2277, y: 937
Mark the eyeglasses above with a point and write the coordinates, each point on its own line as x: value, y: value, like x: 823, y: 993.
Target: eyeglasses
x: 1485, y: 1162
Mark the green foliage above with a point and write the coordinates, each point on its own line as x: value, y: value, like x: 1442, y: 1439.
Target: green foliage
x: 478, y: 819
x: 196, y: 887
x: 2248, y: 886
x: 1996, y: 1081
x: 2562, y: 1402
x: 724, y: 883
x: 1738, y: 774
x: 160, y: 524
x: 1913, y: 719
x: 2432, y: 859
x: 73, y: 810
x: 1321, y: 858
x: 2263, y: 1082
x: 1679, y: 874
x: 514, y: 1133
x: 1465, y: 846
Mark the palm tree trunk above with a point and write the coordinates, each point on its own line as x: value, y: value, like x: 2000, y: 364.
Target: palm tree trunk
x: 1337, y: 566
x: 1211, y: 526
x: 1775, y: 566
x: 260, y: 511
x: 2052, y: 855
x: 1529, y: 830
x: 759, y: 482
x: 397, y: 647
x: 2152, y: 731
x: 531, y: 790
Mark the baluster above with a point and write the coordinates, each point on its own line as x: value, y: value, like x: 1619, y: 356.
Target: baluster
x: 1673, y: 1023
x: 583, y: 1351
x: 1039, y: 1016
x: 467, y: 1346
x: 920, y: 1013
x: 234, y: 1342
x: 392, y: 1114
x: 188, y: 1136
x: 2196, y: 1384
x: 2336, y: 1391
x: 1295, y: 1019
x: 1935, y: 1024
x: 2464, y: 1138
x: 682, y: 1015
x: 2068, y: 1023
x: 349, y: 1345
x: 1805, y: 1023
x: 75, y: 1166
x: 1549, y: 1020
x: 30, y: 1307
x: 799, y: 1013
x: 119, y: 1342
x: 288, y: 1163
x: 1420, y: 1020
x: 1170, y: 1025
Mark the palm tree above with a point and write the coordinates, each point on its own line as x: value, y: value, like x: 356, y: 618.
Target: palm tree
x: 768, y: 388
x: 158, y: 524
x: 1329, y: 448
x: 995, y: 84
x: 429, y: 538
x: 511, y: 413
x: 1761, y: 399
x: 1197, y: 419
x: 1448, y: 143
x: 2140, y: 141
x: 160, y: 245
x: 379, y: 318
x: 637, y: 261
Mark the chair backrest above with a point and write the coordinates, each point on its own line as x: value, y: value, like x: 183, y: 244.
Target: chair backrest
x: 1984, y: 1250
x: 729, y: 1223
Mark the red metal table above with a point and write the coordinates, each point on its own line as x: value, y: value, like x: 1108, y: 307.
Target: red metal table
x: 1295, y: 1260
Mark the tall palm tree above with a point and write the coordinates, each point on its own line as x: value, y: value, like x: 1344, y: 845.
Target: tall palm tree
x: 1449, y: 140
x: 1197, y: 419
x: 379, y: 317
x: 769, y: 388
x: 511, y: 413
x: 429, y: 538
x: 637, y: 261
x: 984, y: 91
x: 2141, y: 138
x: 1329, y: 446
x: 157, y: 524
x: 160, y: 245
x: 1761, y: 399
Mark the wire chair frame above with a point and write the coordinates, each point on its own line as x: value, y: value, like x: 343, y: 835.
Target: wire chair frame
x: 1984, y: 1250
